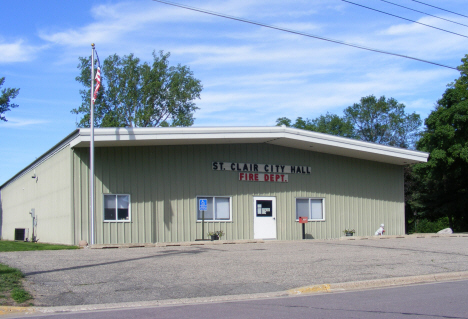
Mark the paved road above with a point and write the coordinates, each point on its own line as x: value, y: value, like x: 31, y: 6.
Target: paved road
x: 440, y: 300
x: 87, y: 276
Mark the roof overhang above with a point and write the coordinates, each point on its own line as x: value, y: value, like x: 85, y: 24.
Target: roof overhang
x: 282, y: 136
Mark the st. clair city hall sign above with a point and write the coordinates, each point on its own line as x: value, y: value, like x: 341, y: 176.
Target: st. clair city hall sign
x: 261, y: 172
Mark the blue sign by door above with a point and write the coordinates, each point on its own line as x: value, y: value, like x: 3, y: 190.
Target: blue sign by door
x: 203, y: 205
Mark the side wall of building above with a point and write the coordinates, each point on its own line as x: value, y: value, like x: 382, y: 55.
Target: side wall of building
x: 49, y: 194
x: 164, y: 182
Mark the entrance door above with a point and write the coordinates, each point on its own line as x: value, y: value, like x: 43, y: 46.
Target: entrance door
x: 264, y: 217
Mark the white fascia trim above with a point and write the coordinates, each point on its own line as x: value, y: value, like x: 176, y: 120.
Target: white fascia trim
x: 243, y: 133
x: 176, y: 133
x: 357, y: 145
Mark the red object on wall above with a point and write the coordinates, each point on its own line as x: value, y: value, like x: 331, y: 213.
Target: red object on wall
x: 303, y: 220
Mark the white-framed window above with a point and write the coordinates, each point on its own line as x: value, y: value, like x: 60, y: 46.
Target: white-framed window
x: 116, y: 208
x: 312, y: 208
x: 218, y: 208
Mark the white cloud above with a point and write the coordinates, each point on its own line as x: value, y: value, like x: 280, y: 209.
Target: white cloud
x: 260, y: 99
x: 15, y: 122
x: 284, y: 52
x: 264, y: 79
x: 421, y: 41
x: 115, y: 22
x: 299, y: 26
x: 17, y: 51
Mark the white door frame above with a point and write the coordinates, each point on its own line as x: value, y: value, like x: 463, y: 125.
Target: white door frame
x: 264, y: 227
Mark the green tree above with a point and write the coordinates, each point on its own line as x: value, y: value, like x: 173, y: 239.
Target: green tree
x: 329, y: 124
x: 135, y: 94
x: 383, y: 121
x: 443, y: 181
x: 6, y: 96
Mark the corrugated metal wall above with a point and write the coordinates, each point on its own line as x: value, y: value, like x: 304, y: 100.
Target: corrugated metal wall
x: 164, y: 181
x: 49, y: 195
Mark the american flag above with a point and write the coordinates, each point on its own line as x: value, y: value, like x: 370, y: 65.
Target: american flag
x: 97, y: 78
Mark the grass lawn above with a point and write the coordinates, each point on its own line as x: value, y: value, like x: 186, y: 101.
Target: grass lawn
x: 6, y: 245
x: 11, y: 288
x: 12, y: 292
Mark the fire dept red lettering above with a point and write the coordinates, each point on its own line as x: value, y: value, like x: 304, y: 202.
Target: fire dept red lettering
x: 260, y: 177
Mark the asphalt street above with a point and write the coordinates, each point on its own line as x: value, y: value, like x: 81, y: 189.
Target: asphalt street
x: 92, y: 276
x: 436, y: 300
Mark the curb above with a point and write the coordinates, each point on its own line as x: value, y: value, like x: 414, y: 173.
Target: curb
x: 309, y: 289
x: 306, y: 290
x: 159, y: 303
x: 6, y: 310
x: 379, y: 283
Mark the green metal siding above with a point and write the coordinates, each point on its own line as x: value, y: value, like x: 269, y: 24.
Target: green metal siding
x: 164, y: 181
x: 49, y: 195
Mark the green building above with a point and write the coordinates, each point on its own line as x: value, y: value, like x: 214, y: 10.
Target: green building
x: 254, y: 181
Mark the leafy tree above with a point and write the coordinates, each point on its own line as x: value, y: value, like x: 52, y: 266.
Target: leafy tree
x: 6, y: 96
x: 383, y: 121
x: 285, y: 121
x: 443, y: 180
x: 410, y: 186
x: 135, y: 94
x: 329, y: 124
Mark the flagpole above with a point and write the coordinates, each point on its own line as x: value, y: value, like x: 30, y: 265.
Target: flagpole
x: 91, y: 153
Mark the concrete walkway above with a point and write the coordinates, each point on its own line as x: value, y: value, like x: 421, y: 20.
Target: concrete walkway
x: 270, y: 268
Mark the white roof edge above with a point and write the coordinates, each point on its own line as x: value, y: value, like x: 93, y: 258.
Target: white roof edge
x: 362, y: 145
x: 245, y: 133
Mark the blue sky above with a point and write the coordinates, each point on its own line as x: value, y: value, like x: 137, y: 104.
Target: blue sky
x: 251, y: 75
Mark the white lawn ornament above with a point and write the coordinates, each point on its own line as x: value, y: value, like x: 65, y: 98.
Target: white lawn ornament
x: 380, y: 231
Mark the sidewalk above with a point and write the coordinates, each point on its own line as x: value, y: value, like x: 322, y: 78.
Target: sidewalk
x: 220, y: 270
